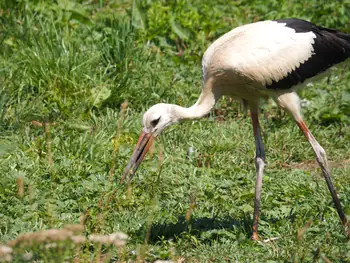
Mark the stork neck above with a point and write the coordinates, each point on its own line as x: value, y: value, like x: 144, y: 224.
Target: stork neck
x: 204, y: 104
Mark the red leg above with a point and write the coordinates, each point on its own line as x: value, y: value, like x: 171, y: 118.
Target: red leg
x: 291, y: 102
x: 323, y: 163
x: 259, y: 164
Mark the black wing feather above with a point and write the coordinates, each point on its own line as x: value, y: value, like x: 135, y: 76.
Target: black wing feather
x: 331, y: 47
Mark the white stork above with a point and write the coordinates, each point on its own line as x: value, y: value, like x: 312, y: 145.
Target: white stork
x: 259, y: 60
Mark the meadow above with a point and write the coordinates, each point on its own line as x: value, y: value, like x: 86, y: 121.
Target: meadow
x: 76, y: 77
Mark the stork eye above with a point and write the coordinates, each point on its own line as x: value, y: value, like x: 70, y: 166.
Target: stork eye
x: 155, y: 122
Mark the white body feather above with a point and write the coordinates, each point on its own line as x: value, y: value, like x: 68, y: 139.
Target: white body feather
x: 254, y: 55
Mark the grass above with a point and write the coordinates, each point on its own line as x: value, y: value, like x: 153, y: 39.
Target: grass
x: 65, y: 138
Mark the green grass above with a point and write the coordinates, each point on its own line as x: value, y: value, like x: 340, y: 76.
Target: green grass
x: 72, y: 65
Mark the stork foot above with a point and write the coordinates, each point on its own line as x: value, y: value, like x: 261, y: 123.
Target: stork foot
x: 254, y: 236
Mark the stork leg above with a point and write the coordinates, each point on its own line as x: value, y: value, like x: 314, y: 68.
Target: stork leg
x: 259, y: 164
x: 323, y: 163
x: 290, y: 102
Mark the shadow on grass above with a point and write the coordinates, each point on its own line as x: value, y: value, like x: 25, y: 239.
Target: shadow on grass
x: 200, y: 225
x: 197, y: 226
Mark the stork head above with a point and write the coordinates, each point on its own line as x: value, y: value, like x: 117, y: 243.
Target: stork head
x: 155, y: 120
x: 158, y: 117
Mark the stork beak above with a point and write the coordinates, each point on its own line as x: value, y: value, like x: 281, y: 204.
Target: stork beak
x: 143, y: 144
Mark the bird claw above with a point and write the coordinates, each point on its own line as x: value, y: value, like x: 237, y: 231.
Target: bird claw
x: 255, y: 236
